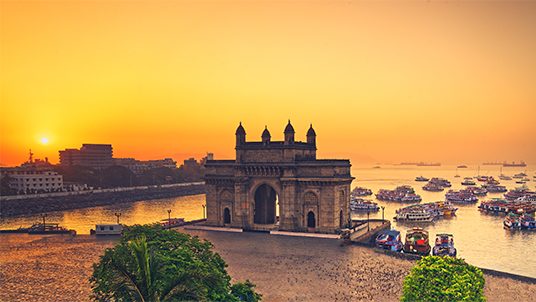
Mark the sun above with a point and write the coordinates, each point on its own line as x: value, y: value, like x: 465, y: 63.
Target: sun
x: 44, y: 140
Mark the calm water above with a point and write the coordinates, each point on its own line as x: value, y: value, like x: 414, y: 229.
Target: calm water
x: 479, y: 238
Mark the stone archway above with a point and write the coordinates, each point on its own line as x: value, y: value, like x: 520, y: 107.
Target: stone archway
x: 311, y: 220
x: 226, y: 216
x: 265, y: 205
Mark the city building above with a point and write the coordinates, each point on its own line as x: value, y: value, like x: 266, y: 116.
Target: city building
x: 278, y: 185
x: 97, y: 156
x: 141, y: 166
x: 24, y: 181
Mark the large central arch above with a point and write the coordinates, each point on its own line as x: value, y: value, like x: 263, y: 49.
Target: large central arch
x: 265, y: 205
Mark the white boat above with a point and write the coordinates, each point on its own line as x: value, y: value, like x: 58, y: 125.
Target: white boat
x: 107, y: 229
x: 414, y: 216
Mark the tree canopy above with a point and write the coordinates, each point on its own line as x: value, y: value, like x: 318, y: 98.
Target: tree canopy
x: 443, y: 279
x: 152, y: 264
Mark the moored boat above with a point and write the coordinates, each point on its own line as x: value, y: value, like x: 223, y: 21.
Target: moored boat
x: 462, y: 196
x: 444, y: 245
x: 468, y: 181
x: 417, y: 242
x: 49, y: 228
x: 421, y: 178
x: 363, y: 205
x: 360, y: 191
x: 431, y: 187
x: 512, y: 222
x: 107, y: 229
x: 440, y: 182
x: 389, y: 240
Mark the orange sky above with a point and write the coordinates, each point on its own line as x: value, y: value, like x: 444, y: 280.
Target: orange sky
x: 396, y: 81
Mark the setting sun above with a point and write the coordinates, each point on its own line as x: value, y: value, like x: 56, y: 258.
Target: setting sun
x: 44, y: 140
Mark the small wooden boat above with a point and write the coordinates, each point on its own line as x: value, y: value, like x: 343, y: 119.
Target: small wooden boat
x: 444, y: 245
x: 417, y: 242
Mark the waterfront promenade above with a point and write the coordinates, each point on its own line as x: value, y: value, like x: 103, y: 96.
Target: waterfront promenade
x: 284, y: 268
x: 23, y: 205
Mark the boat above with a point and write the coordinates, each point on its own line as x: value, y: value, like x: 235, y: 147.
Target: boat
x: 421, y: 178
x: 521, y: 182
x: 400, y: 194
x: 495, y: 188
x: 512, y: 222
x: 441, y: 182
x: 444, y: 245
x: 514, y: 164
x: 360, y: 191
x: 417, y: 242
x: 172, y: 222
x: 478, y: 191
x: 363, y: 205
x: 520, y: 175
x: 389, y: 240
x: 504, y: 206
x: 504, y: 177
x: 431, y: 187
x: 462, y: 167
x: 462, y: 196
x: 482, y: 178
x: 49, y: 228
x: 528, y: 222
x: 107, y: 229
x: 468, y: 181
x: 492, y: 181
x: 423, y: 164
x: 414, y: 216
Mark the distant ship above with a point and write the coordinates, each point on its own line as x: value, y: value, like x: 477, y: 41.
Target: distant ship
x: 421, y: 164
x: 462, y: 166
x: 493, y: 164
x: 514, y: 164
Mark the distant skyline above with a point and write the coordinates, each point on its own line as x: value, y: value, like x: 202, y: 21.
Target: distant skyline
x: 449, y: 82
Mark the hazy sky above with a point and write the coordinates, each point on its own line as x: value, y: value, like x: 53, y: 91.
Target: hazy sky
x: 392, y: 81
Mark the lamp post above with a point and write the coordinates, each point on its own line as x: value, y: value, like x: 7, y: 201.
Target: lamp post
x: 117, y: 215
x: 368, y: 220
x: 383, y: 218
x: 169, y: 217
x: 204, y: 216
x: 44, y: 221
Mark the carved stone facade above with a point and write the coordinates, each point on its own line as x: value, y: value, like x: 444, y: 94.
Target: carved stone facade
x: 278, y: 185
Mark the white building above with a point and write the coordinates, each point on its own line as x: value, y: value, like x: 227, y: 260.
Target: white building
x: 35, y: 181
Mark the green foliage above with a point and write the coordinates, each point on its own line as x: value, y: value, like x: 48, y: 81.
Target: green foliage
x: 443, y: 279
x: 245, y: 291
x: 152, y: 264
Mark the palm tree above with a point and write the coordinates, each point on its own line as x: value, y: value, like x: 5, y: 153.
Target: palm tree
x: 142, y: 279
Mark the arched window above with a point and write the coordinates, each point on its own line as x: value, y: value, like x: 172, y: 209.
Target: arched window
x: 226, y: 216
x: 311, y: 221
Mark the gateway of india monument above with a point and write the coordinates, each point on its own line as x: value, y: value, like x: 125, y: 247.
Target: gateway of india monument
x: 278, y: 185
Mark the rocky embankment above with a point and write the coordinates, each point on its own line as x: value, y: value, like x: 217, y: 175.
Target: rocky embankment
x: 32, y: 205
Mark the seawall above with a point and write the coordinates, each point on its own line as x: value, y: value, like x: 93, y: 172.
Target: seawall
x: 37, y: 204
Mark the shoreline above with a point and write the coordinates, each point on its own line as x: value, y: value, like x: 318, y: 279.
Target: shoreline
x: 38, y: 205
x: 284, y: 268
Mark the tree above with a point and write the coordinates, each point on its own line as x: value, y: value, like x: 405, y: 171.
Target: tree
x: 152, y: 264
x: 443, y: 279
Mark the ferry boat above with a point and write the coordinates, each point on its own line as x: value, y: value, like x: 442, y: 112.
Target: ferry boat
x: 518, y: 192
x: 363, y: 205
x: 431, y: 187
x: 414, y: 216
x: 49, y: 228
x: 400, y: 194
x: 512, y: 222
x: 441, y: 182
x: 444, y: 245
x: 389, y: 240
x: 527, y: 222
x: 514, y: 164
x: 520, y: 175
x: 462, y: 196
x: 360, y: 191
x: 504, y: 177
x: 107, y: 230
x: 468, y: 181
x: 417, y: 242
x: 495, y: 188
x: 478, y: 191
x: 492, y: 181
x: 421, y: 178
x: 423, y: 164
x: 483, y: 178
x: 462, y: 167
